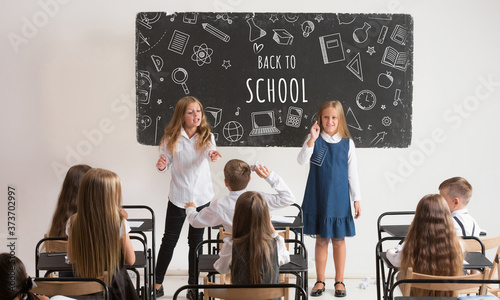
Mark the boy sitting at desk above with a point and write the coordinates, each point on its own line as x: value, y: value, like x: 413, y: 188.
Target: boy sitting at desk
x: 236, y: 177
x: 457, y: 192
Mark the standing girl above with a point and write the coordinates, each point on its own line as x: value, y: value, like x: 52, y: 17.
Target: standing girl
x: 332, y: 182
x: 98, y: 240
x: 186, y: 147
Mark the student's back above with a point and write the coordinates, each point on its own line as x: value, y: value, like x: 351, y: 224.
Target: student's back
x: 98, y: 241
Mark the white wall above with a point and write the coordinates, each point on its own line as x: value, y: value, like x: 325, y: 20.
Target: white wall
x: 68, y: 83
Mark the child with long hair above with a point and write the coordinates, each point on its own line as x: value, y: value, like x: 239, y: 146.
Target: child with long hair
x: 255, y: 250
x: 98, y: 240
x: 186, y: 148
x: 332, y: 182
x: 431, y: 246
x: 66, y: 203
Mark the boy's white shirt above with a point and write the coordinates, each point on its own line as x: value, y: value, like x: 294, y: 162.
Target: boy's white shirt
x: 221, y: 211
x: 223, y: 264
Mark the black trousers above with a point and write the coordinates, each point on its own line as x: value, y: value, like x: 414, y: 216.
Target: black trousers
x: 173, y: 225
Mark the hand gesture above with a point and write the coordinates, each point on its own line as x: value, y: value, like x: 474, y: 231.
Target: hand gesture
x: 315, y: 130
x: 262, y: 171
x: 214, y: 155
x: 124, y: 213
x: 162, y: 163
x: 189, y: 204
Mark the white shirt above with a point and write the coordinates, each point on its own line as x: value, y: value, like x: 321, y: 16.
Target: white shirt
x: 191, y: 179
x: 470, y: 226
x: 352, y: 168
x: 223, y: 264
x: 221, y: 211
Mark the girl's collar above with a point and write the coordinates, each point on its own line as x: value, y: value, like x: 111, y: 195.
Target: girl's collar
x: 185, y: 134
x: 336, y: 137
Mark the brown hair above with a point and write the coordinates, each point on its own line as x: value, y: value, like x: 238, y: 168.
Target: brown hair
x: 174, y: 129
x: 14, y: 281
x: 342, y: 128
x: 432, y: 246
x: 237, y: 174
x: 457, y: 187
x: 95, y: 229
x: 66, y: 203
x: 252, y: 233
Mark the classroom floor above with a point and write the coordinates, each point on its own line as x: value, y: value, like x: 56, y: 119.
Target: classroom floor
x: 354, y: 292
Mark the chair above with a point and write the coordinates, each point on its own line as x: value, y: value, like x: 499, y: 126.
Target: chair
x: 382, y: 262
x: 70, y: 287
x: 448, y: 283
x: 60, y: 245
x: 53, y: 246
x: 244, y: 292
x: 141, y: 262
x: 148, y: 225
x: 492, y: 243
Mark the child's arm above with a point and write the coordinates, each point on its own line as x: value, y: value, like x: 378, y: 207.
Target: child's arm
x: 352, y: 174
x: 308, y: 146
x: 284, y: 197
x: 127, y: 248
x: 207, y: 217
x: 165, y: 159
x: 223, y: 264
x: 162, y: 163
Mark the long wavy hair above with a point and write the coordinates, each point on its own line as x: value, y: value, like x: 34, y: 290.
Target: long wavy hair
x: 173, y: 131
x: 66, y: 203
x: 343, y: 130
x: 14, y: 281
x: 432, y: 246
x: 95, y: 242
x: 252, y: 234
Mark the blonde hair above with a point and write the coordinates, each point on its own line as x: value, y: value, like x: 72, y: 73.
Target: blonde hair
x: 95, y: 241
x: 457, y: 187
x: 173, y: 130
x: 432, y: 246
x: 252, y: 234
x: 342, y: 128
x: 237, y: 174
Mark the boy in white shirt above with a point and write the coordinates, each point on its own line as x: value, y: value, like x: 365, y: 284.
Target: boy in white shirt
x: 457, y: 192
x: 237, y: 176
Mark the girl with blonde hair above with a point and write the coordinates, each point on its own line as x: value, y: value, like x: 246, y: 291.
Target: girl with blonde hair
x: 431, y: 246
x: 331, y: 186
x: 98, y: 240
x: 187, y: 147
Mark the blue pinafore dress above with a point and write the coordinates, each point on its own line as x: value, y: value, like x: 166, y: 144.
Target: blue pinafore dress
x: 326, y: 205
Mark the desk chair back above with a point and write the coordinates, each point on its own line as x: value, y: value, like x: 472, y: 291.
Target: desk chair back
x: 245, y: 292
x: 70, y: 287
x: 447, y: 284
x: 55, y: 245
x: 494, y: 243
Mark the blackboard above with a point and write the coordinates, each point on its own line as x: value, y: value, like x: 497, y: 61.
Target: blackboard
x: 261, y: 77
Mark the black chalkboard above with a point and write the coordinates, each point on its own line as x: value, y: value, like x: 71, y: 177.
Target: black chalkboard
x: 261, y: 77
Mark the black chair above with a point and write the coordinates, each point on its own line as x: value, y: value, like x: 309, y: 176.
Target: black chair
x: 297, y: 266
x: 147, y: 226
x: 243, y: 292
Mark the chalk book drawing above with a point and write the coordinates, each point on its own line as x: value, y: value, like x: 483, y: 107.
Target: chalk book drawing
x: 262, y: 77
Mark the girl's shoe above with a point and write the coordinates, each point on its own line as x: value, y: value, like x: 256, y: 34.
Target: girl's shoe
x: 340, y: 293
x: 318, y: 292
x: 159, y: 292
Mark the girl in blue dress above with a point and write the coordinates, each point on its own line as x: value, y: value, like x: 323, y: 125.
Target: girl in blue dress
x: 331, y: 184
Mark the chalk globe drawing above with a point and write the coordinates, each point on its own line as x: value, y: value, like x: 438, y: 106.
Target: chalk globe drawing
x: 233, y: 131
